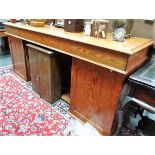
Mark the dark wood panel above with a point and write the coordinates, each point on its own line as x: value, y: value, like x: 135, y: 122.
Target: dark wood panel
x: 65, y: 63
x: 95, y: 93
x: 56, y: 77
x: 27, y: 61
x: 44, y: 63
x: 34, y: 69
x: 50, y: 84
x: 4, y: 44
x: 45, y: 73
x: 145, y: 95
x: 18, y: 57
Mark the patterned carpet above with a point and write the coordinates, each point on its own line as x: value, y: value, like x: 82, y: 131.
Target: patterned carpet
x: 23, y: 112
x: 5, y: 70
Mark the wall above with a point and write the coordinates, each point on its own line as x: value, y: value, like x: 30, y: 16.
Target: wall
x: 140, y: 29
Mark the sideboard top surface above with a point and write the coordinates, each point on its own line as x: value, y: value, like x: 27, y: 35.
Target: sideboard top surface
x: 129, y: 46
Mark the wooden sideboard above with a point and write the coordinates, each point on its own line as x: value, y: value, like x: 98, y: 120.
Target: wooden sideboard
x: 99, y: 68
x: 2, y: 33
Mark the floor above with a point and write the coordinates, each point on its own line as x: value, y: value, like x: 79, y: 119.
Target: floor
x: 5, y: 58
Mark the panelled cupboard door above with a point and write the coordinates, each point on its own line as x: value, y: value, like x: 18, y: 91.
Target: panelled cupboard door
x: 45, y: 77
x: 34, y: 69
x: 45, y: 73
x: 95, y: 92
x: 50, y: 84
x: 18, y: 56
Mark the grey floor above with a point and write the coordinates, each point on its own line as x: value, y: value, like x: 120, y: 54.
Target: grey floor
x: 5, y: 58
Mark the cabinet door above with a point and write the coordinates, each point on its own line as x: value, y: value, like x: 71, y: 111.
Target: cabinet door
x: 34, y: 69
x: 18, y: 57
x: 95, y: 92
x: 49, y: 77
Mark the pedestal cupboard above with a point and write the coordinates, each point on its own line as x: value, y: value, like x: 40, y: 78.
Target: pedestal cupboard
x: 94, y: 93
x: 45, y: 73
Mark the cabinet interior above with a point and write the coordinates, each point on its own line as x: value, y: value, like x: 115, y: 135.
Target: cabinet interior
x: 65, y: 63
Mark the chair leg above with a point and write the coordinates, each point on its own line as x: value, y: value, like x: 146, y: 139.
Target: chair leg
x: 120, y: 114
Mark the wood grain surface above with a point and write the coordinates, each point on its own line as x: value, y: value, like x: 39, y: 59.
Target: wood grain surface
x: 100, y: 56
x: 95, y: 93
x: 45, y: 73
x: 130, y: 46
x: 144, y: 94
x: 2, y: 33
x: 18, y: 57
x: 99, y: 68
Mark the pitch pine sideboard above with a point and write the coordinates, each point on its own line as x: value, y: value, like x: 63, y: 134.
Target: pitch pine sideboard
x: 98, y: 70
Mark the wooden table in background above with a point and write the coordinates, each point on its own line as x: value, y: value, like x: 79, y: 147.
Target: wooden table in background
x: 99, y: 67
x: 2, y: 34
x: 4, y: 40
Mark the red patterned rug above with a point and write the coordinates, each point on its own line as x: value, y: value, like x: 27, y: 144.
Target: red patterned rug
x: 23, y: 112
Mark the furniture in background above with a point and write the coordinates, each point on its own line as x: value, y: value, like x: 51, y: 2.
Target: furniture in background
x: 45, y: 73
x: 4, y: 40
x: 140, y: 89
x: 98, y: 70
x: 2, y: 34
